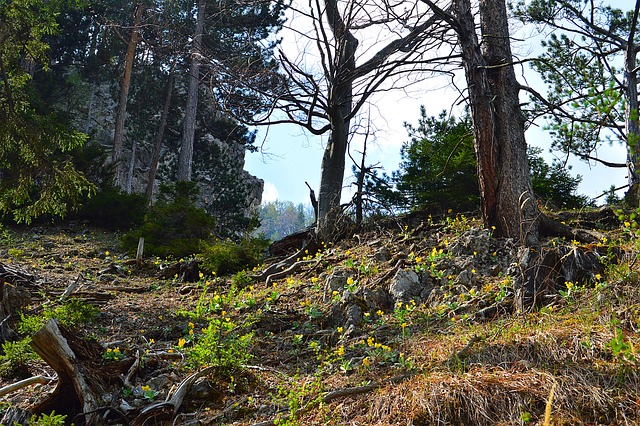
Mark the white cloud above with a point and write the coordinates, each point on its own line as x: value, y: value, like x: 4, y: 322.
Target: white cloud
x: 269, y: 193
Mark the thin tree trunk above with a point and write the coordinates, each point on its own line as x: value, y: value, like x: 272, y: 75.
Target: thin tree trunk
x: 132, y: 168
x: 507, y: 197
x: 118, y: 136
x: 631, y: 114
x: 185, y: 159
x: 155, y: 158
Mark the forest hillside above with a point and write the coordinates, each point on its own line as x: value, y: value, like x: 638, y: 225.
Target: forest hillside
x: 413, y: 320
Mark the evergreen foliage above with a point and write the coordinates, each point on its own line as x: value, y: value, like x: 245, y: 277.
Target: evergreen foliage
x: 37, y: 176
x: 175, y: 226
x: 438, y: 171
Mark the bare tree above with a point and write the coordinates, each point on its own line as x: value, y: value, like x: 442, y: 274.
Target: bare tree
x: 342, y: 39
x: 125, y: 84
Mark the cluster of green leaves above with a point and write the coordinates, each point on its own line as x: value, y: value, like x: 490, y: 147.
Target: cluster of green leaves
x: 438, y: 171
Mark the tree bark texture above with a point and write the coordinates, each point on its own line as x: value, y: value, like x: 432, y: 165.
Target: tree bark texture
x: 155, y: 158
x: 632, y: 114
x: 118, y: 135
x: 508, y: 204
x: 340, y: 107
x: 185, y: 159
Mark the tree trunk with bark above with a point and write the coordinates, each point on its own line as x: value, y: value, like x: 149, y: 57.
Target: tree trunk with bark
x: 185, y: 159
x: 508, y: 204
x: 155, y: 158
x: 340, y: 108
x: 632, y: 114
x: 118, y: 135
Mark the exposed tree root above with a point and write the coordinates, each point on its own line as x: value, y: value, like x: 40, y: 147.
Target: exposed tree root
x: 290, y: 264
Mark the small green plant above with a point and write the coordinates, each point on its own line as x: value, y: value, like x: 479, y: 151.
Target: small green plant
x: 51, y: 419
x: 147, y: 393
x: 15, y: 253
x: 114, y: 354
x: 71, y: 312
x: 297, y: 397
x: 15, y: 357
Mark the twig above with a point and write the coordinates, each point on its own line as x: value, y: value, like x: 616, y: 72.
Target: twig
x: 24, y: 383
x: 464, y: 351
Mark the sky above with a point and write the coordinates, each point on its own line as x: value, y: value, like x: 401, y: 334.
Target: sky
x: 288, y: 157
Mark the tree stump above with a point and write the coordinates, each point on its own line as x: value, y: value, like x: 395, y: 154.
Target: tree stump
x: 83, y: 380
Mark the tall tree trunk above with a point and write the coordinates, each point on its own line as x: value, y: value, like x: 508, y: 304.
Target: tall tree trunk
x: 118, y: 135
x: 632, y: 114
x: 508, y: 203
x: 185, y: 158
x: 340, y: 108
x: 155, y: 158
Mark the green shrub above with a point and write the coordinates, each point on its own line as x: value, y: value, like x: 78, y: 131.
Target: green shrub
x: 174, y: 227
x: 225, y: 257
x: 114, y: 210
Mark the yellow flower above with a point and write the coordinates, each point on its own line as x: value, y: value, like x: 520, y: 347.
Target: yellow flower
x: 418, y: 259
x: 106, y: 253
x: 350, y: 281
x: 315, y: 279
x: 598, y: 277
x: 380, y: 312
x: 181, y: 342
x: 151, y: 341
x: 145, y: 388
x: 341, y: 350
x: 201, y: 275
x: 403, y: 325
x: 366, y: 361
x: 627, y: 224
x: 339, y: 329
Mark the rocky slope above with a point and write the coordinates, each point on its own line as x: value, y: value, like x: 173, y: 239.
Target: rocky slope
x: 407, y: 323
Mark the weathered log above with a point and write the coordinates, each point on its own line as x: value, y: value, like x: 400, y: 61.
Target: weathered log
x: 82, y: 379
